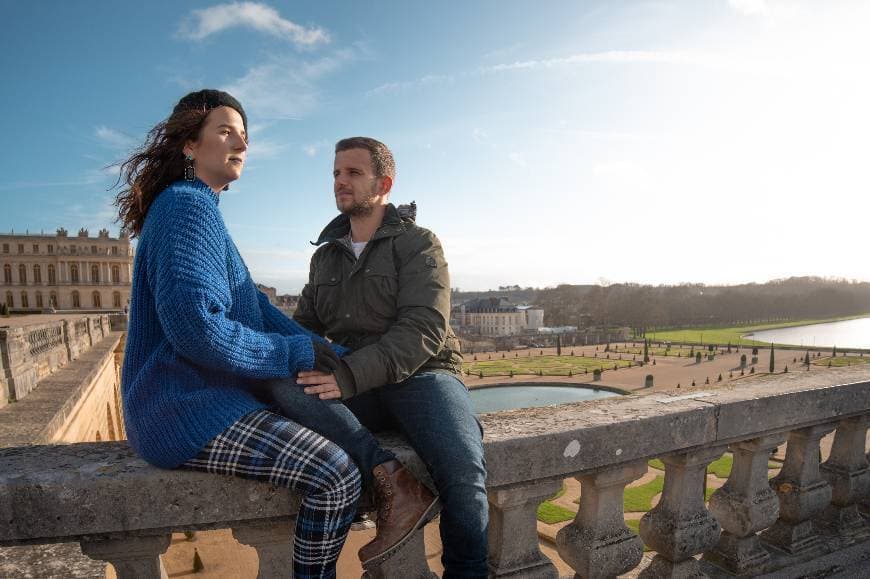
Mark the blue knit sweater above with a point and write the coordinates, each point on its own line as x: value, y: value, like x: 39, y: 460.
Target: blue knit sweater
x: 200, y: 334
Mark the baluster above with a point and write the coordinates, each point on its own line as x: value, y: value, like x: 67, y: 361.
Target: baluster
x: 513, y: 530
x: 409, y: 562
x: 803, y: 494
x: 680, y: 525
x: 132, y: 557
x: 597, y: 543
x: 847, y: 471
x: 273, y: 542
x: 745, y: 505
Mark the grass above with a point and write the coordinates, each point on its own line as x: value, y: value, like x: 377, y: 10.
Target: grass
x: 840, y: 361
x: 720, y: 467
x: 722, y: 335
x: 548, y: 365
x: 639, y: 499
x: 552, y: 514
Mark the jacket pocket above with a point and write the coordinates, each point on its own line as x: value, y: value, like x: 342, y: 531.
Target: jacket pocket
x: 327, y: 295
x: 380, y: 291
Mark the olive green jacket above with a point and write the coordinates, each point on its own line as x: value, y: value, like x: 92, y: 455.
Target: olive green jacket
x: 391, y: 306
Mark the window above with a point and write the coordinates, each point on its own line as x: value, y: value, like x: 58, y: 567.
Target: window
x: 22, y: 273
x: 72, y: 249
x: 74, y: 273
x: 20, y: 248
x: 7, y: 274
x: 75, y: 300
x: 10, y: 301
x: 114, y: 250
x: 95, y: 273
x: 24, y: 302
x: 39, y: 299
x: 52, y: 276
x: 116, y: 300
x: 50, y: 248
x: 37, y: 274
x: 35, y: 248
x: 116, y: 274
x: 93, y: 249
x: 5, y: 248
x: 96, y: 300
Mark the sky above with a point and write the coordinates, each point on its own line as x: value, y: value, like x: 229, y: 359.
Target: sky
x: 661, y: 142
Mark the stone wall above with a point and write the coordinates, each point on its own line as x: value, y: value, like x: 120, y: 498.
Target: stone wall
x: 32, y: 352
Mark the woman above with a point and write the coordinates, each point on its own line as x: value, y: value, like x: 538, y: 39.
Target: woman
x: 201, y: 336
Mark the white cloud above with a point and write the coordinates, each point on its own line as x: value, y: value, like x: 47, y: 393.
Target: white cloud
x: 310, y: 150
x: 749, y: 7
x: 114, y: 138
x: 285, y: 88
x: 518, y: 159
x: 612, y: 56
x: 203, y: 23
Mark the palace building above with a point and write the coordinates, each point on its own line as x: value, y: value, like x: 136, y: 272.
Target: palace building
x: 44, y: 272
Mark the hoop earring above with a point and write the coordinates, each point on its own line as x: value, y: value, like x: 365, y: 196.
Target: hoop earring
x: 189, y: 170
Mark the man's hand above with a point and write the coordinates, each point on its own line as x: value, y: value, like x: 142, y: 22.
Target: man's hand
x: 319, y: 383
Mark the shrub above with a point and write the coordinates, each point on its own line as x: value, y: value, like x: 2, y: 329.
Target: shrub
x: 720, y: 378
x: 752, y: 370
x: 648, y: 381
x: 697, y: 357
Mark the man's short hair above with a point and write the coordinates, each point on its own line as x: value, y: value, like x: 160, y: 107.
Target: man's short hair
x: 382, y: 158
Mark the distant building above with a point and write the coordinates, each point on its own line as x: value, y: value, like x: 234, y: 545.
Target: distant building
x: 534, y: 317
x: 270, y: 292
x: 41, y: 272
x: 495, y: 317
x: 284, y: 302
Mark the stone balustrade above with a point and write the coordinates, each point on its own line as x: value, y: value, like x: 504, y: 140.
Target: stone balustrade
x: 808, y: 521
x: 30, y: 353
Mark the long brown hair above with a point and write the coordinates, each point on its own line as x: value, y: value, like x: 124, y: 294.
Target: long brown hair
x: 155, y: 165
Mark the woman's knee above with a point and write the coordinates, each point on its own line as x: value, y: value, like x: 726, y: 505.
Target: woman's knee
x: 344, y: 476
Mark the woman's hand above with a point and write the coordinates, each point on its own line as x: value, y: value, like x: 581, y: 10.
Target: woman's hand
x: 320, y: 383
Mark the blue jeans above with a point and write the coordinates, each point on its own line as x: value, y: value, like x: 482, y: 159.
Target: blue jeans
x: 433, y: 411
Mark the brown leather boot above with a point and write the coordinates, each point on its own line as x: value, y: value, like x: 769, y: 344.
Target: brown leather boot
x: 404, y: 505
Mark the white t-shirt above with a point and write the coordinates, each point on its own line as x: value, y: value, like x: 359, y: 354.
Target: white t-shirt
x: 358, y: 247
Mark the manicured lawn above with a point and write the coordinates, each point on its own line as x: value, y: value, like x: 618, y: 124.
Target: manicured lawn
x: 841, y: 361
x: 722, y: 335
x: 720, y: 467
x: 639, y: 499
x: 551, y: 514
x: 548, y: 365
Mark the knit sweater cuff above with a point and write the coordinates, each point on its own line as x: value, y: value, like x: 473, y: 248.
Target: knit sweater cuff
x: 303, y: 349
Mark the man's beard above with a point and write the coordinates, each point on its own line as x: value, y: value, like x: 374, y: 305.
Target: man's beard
x: 359, y: 208
x: 362, y: 208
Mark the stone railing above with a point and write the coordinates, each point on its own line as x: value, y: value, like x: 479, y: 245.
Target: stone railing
x: 806, y: 522
x: 32, y: 352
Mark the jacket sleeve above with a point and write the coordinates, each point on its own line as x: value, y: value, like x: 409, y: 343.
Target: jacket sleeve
x: 274, y: 320
x: 423, y: 314
x: 186, y: 264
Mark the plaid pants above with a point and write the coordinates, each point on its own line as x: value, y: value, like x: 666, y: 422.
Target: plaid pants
x: 267, y: 447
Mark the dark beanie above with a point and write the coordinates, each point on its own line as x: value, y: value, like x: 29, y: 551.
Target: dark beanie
x: 209, y: 99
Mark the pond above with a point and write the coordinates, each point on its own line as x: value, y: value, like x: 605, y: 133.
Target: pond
x: 507, y: 397
x: 845, y: 334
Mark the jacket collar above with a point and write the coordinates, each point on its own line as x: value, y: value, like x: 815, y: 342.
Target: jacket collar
x: 338, y: 228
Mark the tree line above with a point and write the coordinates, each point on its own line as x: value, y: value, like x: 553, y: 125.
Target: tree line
x: 645, y: 306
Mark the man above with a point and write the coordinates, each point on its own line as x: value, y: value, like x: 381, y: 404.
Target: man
x: 379, y: 286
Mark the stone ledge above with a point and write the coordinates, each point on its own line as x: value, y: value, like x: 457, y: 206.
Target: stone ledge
x: 63, y: 493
